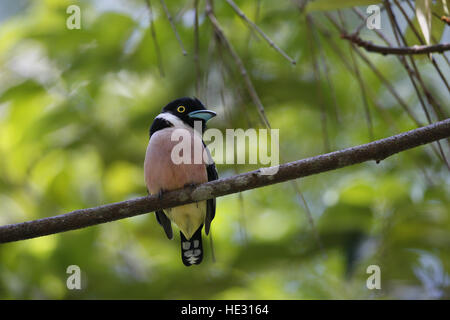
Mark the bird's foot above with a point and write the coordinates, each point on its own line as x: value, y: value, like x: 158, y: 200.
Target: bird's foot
x: 189, y: 185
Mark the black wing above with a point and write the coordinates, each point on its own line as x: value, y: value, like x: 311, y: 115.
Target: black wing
x: 159, y: 124
x: 210, y: 203
x: 164, y: 222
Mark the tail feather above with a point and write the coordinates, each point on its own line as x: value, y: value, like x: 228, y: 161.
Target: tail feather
x: 192, y: 249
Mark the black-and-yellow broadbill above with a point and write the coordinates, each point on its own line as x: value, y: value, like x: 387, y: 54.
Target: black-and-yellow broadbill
x: 162, y: 173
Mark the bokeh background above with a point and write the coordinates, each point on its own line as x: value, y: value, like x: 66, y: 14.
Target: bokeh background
x: 75, y: 109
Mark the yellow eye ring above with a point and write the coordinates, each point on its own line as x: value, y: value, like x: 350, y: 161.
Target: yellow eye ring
x: 181, y: 109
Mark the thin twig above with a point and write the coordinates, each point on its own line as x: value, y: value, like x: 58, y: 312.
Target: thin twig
x: 432, y: 37
x: 208, y: 63
x: 403, y: 61
x: 172, y: 23
x: 378, y: 32
x: 327, y: 76
x: 229, y: 121
x: 382, y: 111
x: 416, y: 33
x: 422, y: 49
x: 323, y: 117
x: 386, y: 82
x: 375, y: 70
x: 251, y: 32
x: 401, y: 39
x: 267, y: 124
x: 362, y: 85
x: 196, y: 50
x: 340, y: 54
x: 258, y: 29
x: 308, y: 214
x: 436, y: 107
x: 225, y: 68
x: 239, y: 63
x: 155, y: 40
x: 318, y: 85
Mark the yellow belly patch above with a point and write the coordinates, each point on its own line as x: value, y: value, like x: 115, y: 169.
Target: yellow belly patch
x: 188, y: 217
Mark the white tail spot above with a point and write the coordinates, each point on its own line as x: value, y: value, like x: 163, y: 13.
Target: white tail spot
x: 186, y: 245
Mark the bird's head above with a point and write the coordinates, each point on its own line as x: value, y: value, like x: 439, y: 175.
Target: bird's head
x: 187, y: 110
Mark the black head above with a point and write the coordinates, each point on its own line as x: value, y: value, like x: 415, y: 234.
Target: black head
x: 189, y: 110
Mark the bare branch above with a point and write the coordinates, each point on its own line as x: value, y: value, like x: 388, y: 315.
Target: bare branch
x: 432, y: 37
x: 434, y: 104
x: 376, y: 150
x: 390, y: 87
x: 416, y: 32
x: 377, y: 72
x: 422, y: 49
x: 330, y: 41
x: 308, y: 214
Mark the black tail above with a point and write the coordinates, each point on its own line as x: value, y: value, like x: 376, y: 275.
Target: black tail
x: 192, y: 250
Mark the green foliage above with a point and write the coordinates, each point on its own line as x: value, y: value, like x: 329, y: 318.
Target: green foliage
x: 75, y: 108
x: 326, y: 5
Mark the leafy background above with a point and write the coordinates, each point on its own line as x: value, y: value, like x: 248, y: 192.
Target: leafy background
x: 75, y: 108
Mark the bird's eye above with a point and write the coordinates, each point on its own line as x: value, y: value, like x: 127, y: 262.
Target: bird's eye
x: 181, y: 109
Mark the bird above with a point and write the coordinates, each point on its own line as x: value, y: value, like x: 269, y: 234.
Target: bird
x: 163, y: 174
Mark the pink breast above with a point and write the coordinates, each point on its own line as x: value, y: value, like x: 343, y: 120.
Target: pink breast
x: 162, y: 173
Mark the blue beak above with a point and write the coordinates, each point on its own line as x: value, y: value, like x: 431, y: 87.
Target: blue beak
x: 202, y: 115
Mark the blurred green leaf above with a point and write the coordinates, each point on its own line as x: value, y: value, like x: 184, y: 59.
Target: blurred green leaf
x: 327, y: 5
x: 423, y: 12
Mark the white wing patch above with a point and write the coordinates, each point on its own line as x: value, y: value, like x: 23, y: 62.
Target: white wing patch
x: 192, y: 260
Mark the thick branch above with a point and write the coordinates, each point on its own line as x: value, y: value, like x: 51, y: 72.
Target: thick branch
x: 422, y: 49
x: 377, y: 150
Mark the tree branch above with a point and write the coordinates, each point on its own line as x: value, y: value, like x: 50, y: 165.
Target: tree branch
x: 377, y: 150
x: 369, y: 46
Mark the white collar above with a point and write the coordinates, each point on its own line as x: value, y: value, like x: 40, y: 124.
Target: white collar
x: 176, y: 122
